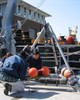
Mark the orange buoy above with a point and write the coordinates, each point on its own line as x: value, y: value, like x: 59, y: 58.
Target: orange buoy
x: 58, y: 38
x: 66, y: 73
x: 70, y: 40
x: 33, y: 72
x: 45, y: 71
x: 63, y: 70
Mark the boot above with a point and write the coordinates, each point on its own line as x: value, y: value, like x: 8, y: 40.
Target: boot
x: 7, y: 89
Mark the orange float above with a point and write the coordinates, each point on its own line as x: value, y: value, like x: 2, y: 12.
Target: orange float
x: 58, y: 38
x: 70, y: 40
x: 45, y: 71
x: 33, y: 72
x: 63, y: 70
x: 66, y: 73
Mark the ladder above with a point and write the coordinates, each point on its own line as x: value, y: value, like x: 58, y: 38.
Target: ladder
x: 48, y: 55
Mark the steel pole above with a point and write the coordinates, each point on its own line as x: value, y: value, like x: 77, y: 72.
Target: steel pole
x: 36, y: 40
x: 60, y: 50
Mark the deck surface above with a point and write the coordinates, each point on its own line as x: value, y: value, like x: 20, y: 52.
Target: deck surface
x: 42, y: 92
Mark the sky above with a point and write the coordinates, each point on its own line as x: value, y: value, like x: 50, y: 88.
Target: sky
x: 64, y: 14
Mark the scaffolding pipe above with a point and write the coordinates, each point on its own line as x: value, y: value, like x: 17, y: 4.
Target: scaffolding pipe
x: 36, y: 40
x: 61, y: 52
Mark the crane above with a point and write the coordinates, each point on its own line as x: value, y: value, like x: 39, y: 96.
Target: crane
x: 6, y: 31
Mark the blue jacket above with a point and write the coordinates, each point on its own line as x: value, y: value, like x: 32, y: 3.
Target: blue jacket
x: 15, y: 66
x: 34, y: 63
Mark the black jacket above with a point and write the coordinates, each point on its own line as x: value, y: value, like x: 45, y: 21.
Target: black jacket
x: 34, y: 63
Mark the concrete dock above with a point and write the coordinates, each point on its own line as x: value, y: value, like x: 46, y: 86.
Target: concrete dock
x: 42, y: 92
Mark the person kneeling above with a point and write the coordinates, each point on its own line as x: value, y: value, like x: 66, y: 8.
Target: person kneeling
x: 13, y: 72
